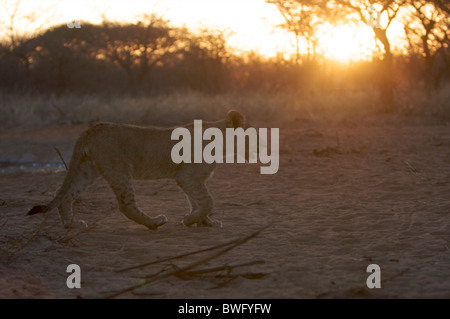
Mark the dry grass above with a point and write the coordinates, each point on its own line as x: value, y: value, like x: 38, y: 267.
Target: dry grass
x: 39, y: 110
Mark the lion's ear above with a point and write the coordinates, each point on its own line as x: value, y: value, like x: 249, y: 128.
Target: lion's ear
x: 235, y: 119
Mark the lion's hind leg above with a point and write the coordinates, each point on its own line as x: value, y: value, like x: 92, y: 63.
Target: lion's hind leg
x: 121, y: 184
x: 84, y: 176
x: 127, y: 204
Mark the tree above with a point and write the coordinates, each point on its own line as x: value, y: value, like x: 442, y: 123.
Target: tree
x: 17, y: 44
x: 302, y: 18
x: 428, y: 30
x: 136, y: 48
x: 66, y: 58
x: 206, y: 59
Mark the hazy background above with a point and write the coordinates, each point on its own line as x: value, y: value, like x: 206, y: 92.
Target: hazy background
x: 364, y: 145
x: 163, y: 61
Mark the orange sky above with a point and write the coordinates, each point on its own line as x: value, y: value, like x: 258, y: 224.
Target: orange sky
x: 253, y: 22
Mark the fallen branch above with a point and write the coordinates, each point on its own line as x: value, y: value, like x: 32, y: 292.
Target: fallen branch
x: 179, y: 271
x: 183, y: 255
x: 177, y: 257
x: 228, y: 268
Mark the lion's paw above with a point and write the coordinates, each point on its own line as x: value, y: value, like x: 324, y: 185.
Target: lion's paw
x: 192, y: 219
x: 157, y: 221
x: 210, y: 222
x: 189, y: 220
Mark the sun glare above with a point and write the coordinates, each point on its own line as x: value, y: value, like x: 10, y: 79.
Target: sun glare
x: 346, y: 43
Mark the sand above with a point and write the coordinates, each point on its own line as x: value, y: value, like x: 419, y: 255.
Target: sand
x: 346, y: 195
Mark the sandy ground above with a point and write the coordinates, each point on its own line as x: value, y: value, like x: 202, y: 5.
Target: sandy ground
x: 346, y: 196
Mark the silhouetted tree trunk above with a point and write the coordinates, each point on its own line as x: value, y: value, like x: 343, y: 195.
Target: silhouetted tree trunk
x: 391, y: 7
x: 387, y: 84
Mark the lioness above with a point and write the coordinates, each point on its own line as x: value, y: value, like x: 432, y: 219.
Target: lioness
x: 120, y: 153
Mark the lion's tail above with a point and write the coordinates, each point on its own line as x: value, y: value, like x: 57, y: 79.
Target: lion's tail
x: 39, y: 209
x: 78, y: 152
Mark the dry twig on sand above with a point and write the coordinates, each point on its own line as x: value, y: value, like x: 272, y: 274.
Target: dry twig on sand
x: 228, y: 268
x: 187, y: 270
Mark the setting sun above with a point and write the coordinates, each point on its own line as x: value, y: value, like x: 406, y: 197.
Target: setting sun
x: 344, y: 43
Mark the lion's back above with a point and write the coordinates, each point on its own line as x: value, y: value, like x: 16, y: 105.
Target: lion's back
x: 146, y: 150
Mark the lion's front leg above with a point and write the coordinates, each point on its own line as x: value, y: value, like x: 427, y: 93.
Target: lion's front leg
x: 208, y: 221
x: 200, y: 200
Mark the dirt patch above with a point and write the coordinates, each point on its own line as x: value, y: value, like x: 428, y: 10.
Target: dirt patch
x: 345, y: 196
